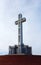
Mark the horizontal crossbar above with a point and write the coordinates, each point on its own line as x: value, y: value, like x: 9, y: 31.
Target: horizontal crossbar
x: 22, y: 20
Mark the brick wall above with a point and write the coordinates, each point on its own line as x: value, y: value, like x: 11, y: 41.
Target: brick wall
x: 20, y: 60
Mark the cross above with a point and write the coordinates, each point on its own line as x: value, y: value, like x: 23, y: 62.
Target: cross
x: 20, y: 33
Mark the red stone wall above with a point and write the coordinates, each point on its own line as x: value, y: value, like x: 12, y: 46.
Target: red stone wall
x: 20, y: 60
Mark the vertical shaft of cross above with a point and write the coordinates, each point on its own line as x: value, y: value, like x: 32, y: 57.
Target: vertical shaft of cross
x: 20, y: 36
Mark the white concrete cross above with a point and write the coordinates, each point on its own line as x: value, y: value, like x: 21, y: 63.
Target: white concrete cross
x: 20, y: 33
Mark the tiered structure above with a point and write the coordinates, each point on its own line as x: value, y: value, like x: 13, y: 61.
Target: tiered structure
x: 21, y: 48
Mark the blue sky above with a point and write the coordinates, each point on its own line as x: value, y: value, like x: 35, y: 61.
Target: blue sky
x: 9, y: 10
